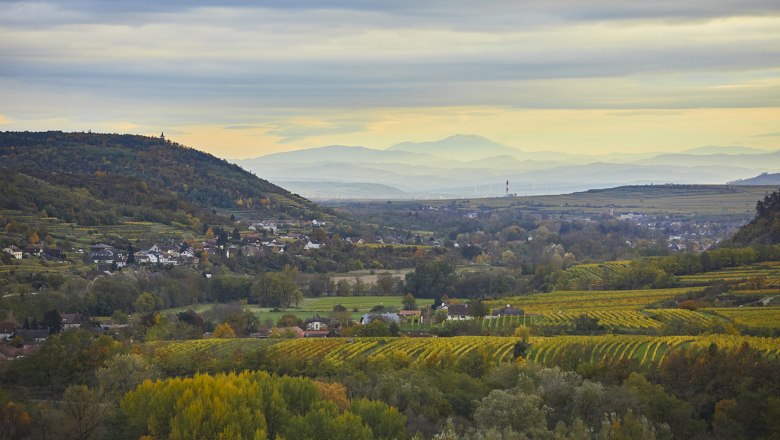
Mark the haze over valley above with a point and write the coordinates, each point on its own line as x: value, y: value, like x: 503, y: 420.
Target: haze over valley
x: 473, y: 166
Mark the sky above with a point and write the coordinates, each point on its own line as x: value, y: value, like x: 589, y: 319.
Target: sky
x: 242, y: 79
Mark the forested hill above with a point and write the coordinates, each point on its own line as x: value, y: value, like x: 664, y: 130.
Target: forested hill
x: 144, y: 171
x: 765, y: 227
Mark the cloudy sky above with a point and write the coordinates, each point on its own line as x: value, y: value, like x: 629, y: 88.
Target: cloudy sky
x: 245, y: 78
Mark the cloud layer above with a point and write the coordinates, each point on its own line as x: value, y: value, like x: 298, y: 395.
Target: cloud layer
x: 281, y: 69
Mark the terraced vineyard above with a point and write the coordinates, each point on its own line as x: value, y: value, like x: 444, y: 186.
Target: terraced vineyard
x: 751, y: 317
x: 84, y: 236
x: 767, y: 273
x: 415, y: 350
x: 207, y: 355
x: 615, y: 319
x: 645, y: 351
x: 35, y: 266
x: 588, y: 301
x: 683, y: 315
x: 323, y: 354
x: 608, y: 318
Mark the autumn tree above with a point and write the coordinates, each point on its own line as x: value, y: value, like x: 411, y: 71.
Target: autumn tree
x: 224, y: 330
x: 14, y: 422
x: 249, y: 405
x: 385, y: 421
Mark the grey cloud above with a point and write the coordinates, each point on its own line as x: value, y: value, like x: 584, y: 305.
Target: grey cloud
x: 463, y: 14
x: 240, y: 127
x: 267, y: 56
x: 775, y: 134
x: 298, y: 132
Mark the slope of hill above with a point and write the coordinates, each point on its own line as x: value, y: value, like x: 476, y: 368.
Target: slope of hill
x: 107, y: 200
x: 142, y: 172
x: 765, y: 227
x: 761, y: 179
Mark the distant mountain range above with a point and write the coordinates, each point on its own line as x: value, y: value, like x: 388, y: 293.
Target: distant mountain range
x: 474, y: 166
x: 459, y: 147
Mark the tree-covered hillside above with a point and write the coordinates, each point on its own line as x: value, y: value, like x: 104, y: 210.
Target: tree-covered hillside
x: 765, y: 227
x: 143, y: 171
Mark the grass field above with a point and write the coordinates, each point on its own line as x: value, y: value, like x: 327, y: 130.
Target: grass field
x: 316, y: 306
x: 368, y: 276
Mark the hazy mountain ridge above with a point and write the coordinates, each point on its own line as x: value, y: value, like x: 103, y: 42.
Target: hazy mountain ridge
x: 470, y: 165
x: 459, y: 147
x: 761, y: 179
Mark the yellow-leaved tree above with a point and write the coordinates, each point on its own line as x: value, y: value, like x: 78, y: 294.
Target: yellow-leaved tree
x: 224, y: 330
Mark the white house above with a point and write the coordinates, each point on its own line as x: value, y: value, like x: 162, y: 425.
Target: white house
x: 459, y: 312
x: 72, y: 320
x: 14, y: 252
x: 6, y: 330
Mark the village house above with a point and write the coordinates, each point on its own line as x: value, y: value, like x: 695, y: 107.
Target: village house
x: 459, y: 312
x: 72, y: 320
x: 411, y: 316
x: 264, y: 226
x: 33, y: 335
x: 35, y: 250
x: 105, y: 254
x: 251, y: 240
x: 317, y: 324
x: 251, y: 250
x: 274, y: 247
x: 10, y: 352
x: 13, y: 251
x: 52, y: 254
x: 310, y: 246
x: 295, y: 332
x: 6, y: 330
x: 168, y: 255
x: 507, y: 311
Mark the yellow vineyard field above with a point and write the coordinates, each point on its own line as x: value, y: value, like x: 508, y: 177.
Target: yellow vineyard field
x: 227, y: 354
x: 584, y: 301
x: 751, y: 317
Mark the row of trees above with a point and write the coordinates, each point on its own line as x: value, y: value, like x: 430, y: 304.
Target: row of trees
x: 255, y: 406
